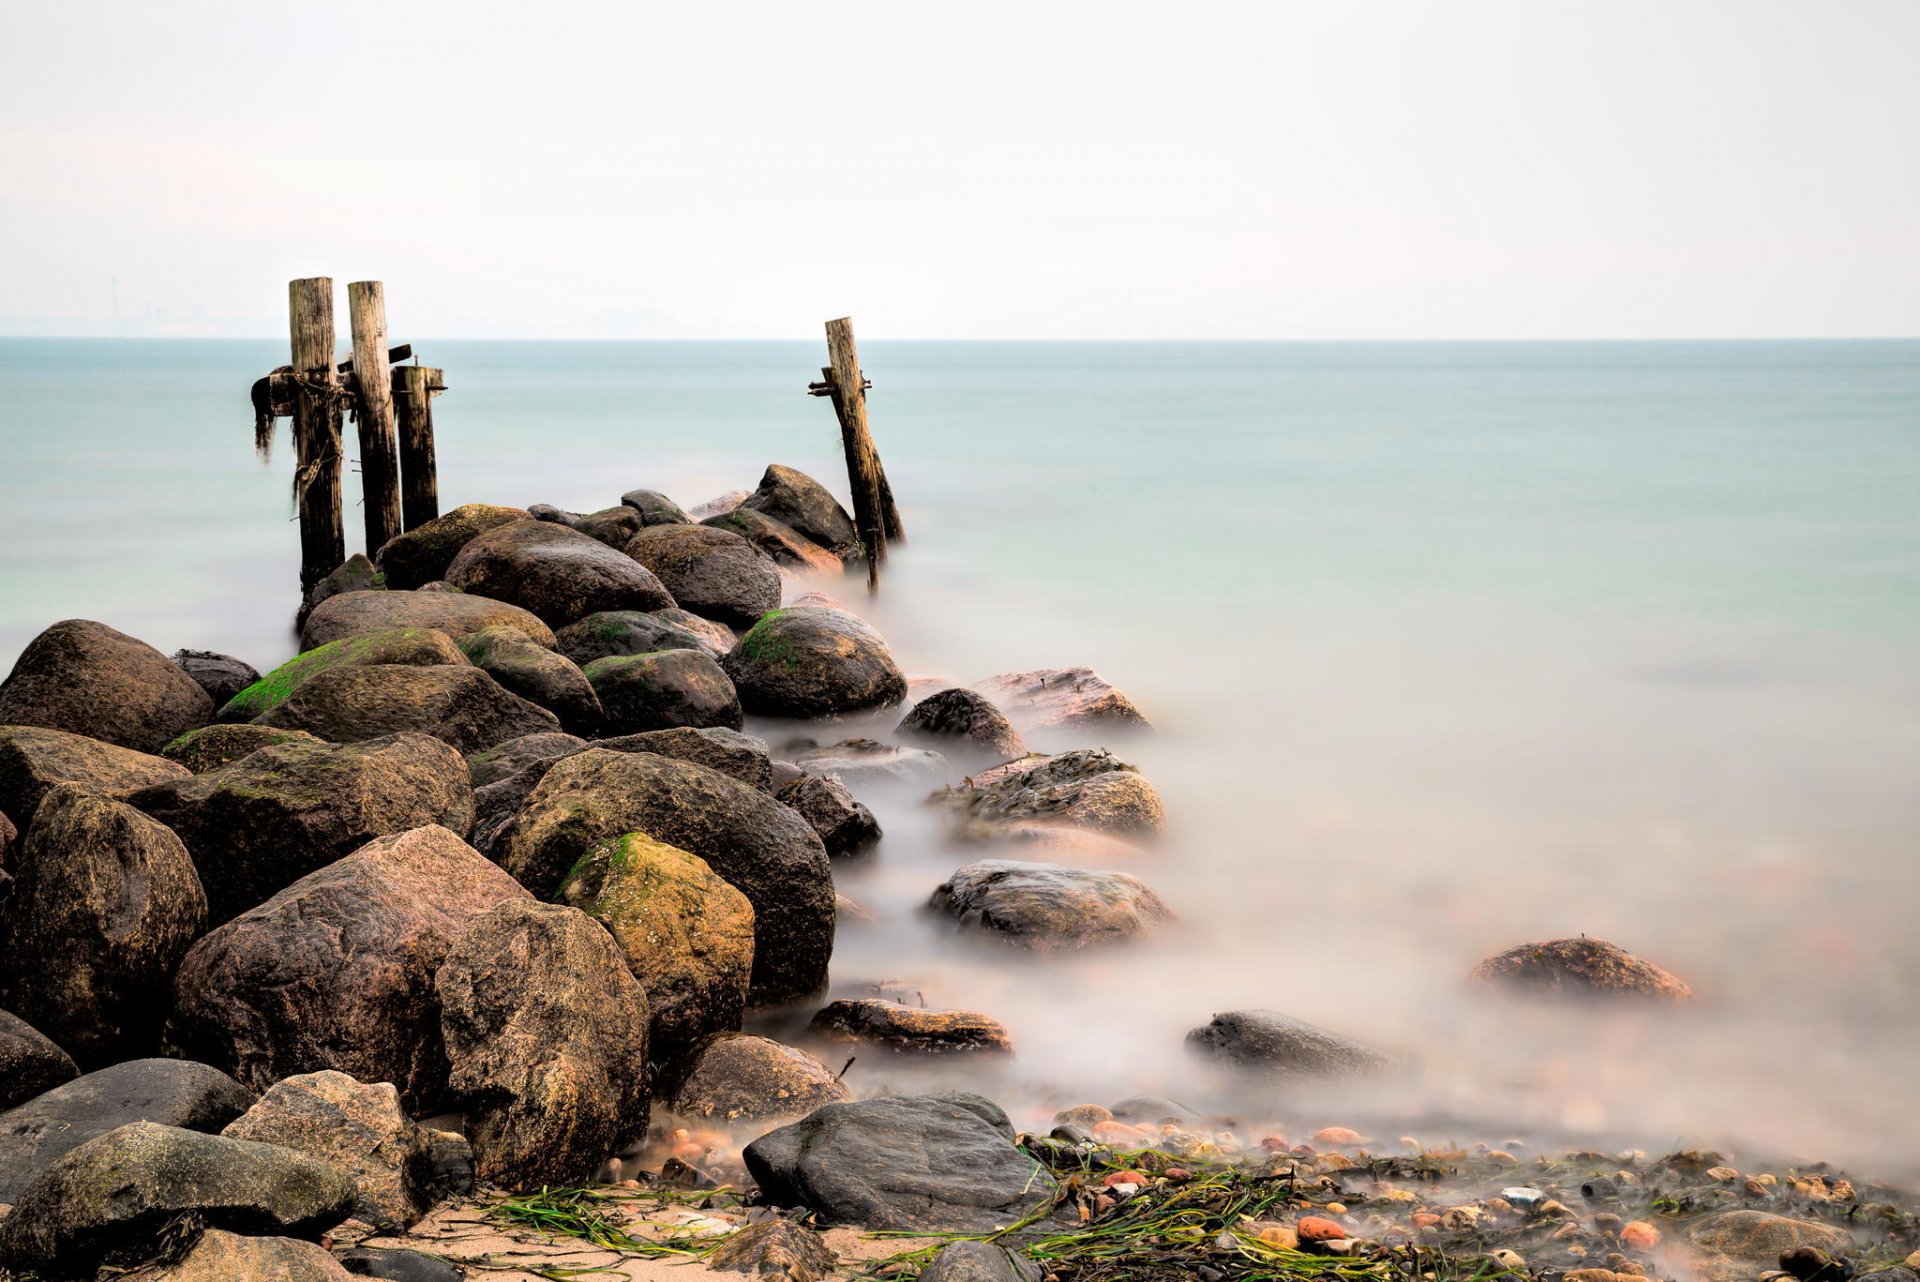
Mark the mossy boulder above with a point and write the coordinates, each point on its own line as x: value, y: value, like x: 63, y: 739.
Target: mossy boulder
x: 713, y: 572
x: 737, y: 1078
x: 423, y: 553
x: 777, y: 540
x: 664, y: 689
x: 454, y: 613
x: 34, y: 760
x: 1051, y: 907
x: 809, y: 661
x: 460, y: 705
x: 422, y: 647
x: 559, y: 574
x: 355, y: 574
x: 221, y: 675
x: 739, y: 756
x: 536, y: 674
x: 805, y: 506
x: 87, y: 678
x: 30, y: 1062
x: 211, y: 747
x: 617, y: 632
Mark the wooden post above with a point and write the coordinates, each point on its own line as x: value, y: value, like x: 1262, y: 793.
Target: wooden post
x: 413, y: 389
x: 874, y: 513
x: 379, y: 463
x: 316, y: 429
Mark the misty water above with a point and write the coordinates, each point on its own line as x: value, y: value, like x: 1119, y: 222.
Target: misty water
x: 1449, y: 647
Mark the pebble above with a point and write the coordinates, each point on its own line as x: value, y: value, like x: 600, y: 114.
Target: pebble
x: 1913, y: 1261
x: 1336, y: 1208
x: 1509, y: 1260
x: 1723, y: 1175
x: 1338, y: 1135
x: 1313, y: 1228
x: 1640, y: 1235
x: 1523, y: 1196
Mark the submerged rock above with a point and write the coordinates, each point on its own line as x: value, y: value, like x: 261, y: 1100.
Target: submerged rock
x: 1051, y: 907
x: 30, y: 1063
x: 1062, y: 699
x: 89, y: 679
x: 418, y: 647
x: 804, y: 661
x: 963, y: 722
x: 559, y: 574
x: 1270, y: 1043
x: 35, y: 760
x: 737, y: 1077
x: 1088, y: 788
x: 454, y: 613
x: 778, y: 540
x: 615, y: 632
x: 658, y: 691
x: 889, y: 1025
x: 739, y: 756
x: 845, y: 826
x: 515, y: 755
x: 211, y: 747
x: 802, y: 504
x: 536, y: 674
x: 1579, y: 968
x: 221, y: 675
x: 654, y: 507
x: 422, y: 554
x: 712, y: 572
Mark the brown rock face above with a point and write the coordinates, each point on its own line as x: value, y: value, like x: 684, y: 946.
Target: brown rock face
x: 736, y: 1077
x: 536, y: 674
x: 738, y: 756
x: 845, y: 826
x: 786, y: 545
x: 336, y: 971
x: 1062, y: 699
x: 34, y: 760
x: 220, y: 1256
x: 422, y: 554
x: 454, y: 613
x: 1087, y: 788
x: 1051, y: 907
x: 462, y: 706
x: 30, y: 1064
x: 106, y: 903
x: 1579, y: 968
x: 801, y: 503
x: 513, y: 756
x: 887, y: 1025
x: 557, y: 573
x: 86, y: 678
x: 662, y: 690
x: 712, y: 572
x: 807, y: 661
x: 775, y: 1248
x: 211, y: 747
x: 546, y: 1032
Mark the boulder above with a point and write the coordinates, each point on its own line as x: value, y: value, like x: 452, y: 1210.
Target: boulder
x: 30, y: 1063
x: 686, y: 935
x: 612, y: 526
x: 497, y: 804
x: 1051, y: 907
x: 654, y: 507
x: 739, y: 756
x: 211, y: 747
x: 33, y: 761
x: 548, y: 512
x: 718, y: 504
x: 963, y: 723
x: 220, y: 1256
x: 357, y: 1127
x: 1271, y: 1044
x: 414, y: 647
x: 775, y: 1248
x: 752, y: 841
x: 221, y: 675
x: 355, y: 574
x: 979, y: 1262
x: 845, y: 826
x: 712, y: 572
x: 805, y: 661
x: 615, y: 632
x: 462, y: 706
x: 777, y: 540
x: 336, y: 971
x: 274, y: 816
x: 802, y: 504
x: 105, y: 904
x: 867, y: 763
x: 1062, y: 699
x: 559, y: 574
x: 664, y: 689
x: 170, y: 1092
x: 114, y: 1198
x: 424, y: 553
x: 536, y: 674
x: 922, y: 1163
x: 515, y: 755
x: 1088, y: 788
x: 85, y: 678
x: 399, y: 1265
x: 546, y: 1032
x: 717, y: 639
x: 1732, y: 1246
x: 1579, y: 968
x: 454, y: 613
x: 888, y: 1025
x: 736, y: 1077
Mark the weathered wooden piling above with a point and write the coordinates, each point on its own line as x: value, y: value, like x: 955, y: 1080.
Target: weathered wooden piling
x: 373, y: 412
x: 874, y: 514
x: 316, y: 429
x: 414, y: 387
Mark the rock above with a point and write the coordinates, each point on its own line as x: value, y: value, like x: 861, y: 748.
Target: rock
x: 1154, y: 1110
x: 416, y: 647
x: 714, y: 573
x: 454, y: 613
x: 717, y: 639
x: 805, y: 661
x: 866, y: 763
x: 612, y: 526
x: 85, y: 678
x: 1051, y: 907
x: 211, y: 747
x: 617, y: 632
x: 425, y: 552
x: 802, y: 504
x: 546, y: 1032
x: 462, y: 706
x: 221, y: 675
x: 1579, y: 968
x: 775, y: 1248
x: 979, y: 1262
x: 357, y: 1127
x: 718, y: 504
x: 497, y: 804
x: 664, y: 689
x: 752, y: 841
x: 963, y: 723
x: 399, y: 1265
x: 30, y: 1063
x: 170, y: 1092
x: 1062, y: 699
x: 777, y: 540
x: 654, y: 507
x: 1088, y: 788
x: 336, y: 971
x: 559, y: 574
x: 888, y: 1025
x: 111, y: 1198
x: 355, y: 574
x: 1279, y: 1045
x: 515, y: 755
x: 536, y: 674
x: 219, y: 1256
x: 927, y: 1163
x: 845, y: 826
x: 736, y: 1077
x: 548, y: 512
x: 1732, y: 1246
x: 34, y: 761
x: 105, y: 904
x: 686, y: 935
x: 266, y: 820
x: 739, y: 756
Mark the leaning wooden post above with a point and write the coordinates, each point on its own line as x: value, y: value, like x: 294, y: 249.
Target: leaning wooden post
x: 316, y: 429
x: 876, y: 518
x: 413, y: 389
x: 379, y: 461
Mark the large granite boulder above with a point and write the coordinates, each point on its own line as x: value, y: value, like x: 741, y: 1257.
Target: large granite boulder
x: 454, y: 613
x: 415, y: 647
x: 546, y: 1032
x: 536, y: 674
x: 30, y: 1063
x: 654, y: 507
x: 1577, y: 968
x: 712, y: 572
x: 86, y: 678
x: 778, y: 540
x: 963, y: 724
x: 1088, y: 788
x: 510, y: 758
x: 737, y: 1078
x: 105, y: 904
x: 807, y: 661
x: 1051, y: 907
x: 557, y: 573
x: 270, y: 818
x: 802, y: 504
x: 658, y: 691
x: 336, y: 971
x: 922, y: 1163
x: 845, y: 826
x: 732, y: 753
x: 1275, y: 1045
x: 33, y: 761
x: 221, y: 675
x: 211, y: 747
x: 462, y: 706
x: 220, y: 1256
x: 752, y: 841
x: 612, y: 632
x: 1062, y: 699
x: 422, y: 554
x: 885, y: 1025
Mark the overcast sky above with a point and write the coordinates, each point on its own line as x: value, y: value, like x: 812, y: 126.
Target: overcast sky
x: 703, y: 169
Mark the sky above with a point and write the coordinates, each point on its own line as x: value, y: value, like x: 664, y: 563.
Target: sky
x: 1344, y: 169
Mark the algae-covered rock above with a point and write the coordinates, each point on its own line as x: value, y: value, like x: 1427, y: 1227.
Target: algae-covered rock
x: 802, y: 504
x: 211, y: 747
x: 35, y: 760
x: 89, y: 679
x: 422, y: 647
x: 422, y: 554
x: 559, y: 574
x: 614, y: 632
x: 737, y: 1077
x: 1051, y: 907
x: 712, y: 572
x: 612, y: 526
x: 221, y: 675
x: 536, y: 674
x: 355, y: 574
x: 1579, y: 967
x: 663, y: 689
x: 461, y: 705
x: 805, y: 661
x: 454, y: 613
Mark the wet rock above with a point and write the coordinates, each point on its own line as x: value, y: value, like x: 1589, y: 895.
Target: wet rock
x: 219, y: 1256
x: 1579, y: 967
x: 612, y: 526
x: 515, y: 755
x: 546, y: 1032
x: 496, y: 805
x: 424, y: 553
x: 1051, y: 907
x: 963, y: 723
x: 399, y: 1265
x: 931, y: 1163
x: 845, y: 826
x: 717, y: 639
x: 752, y: 841
x: 658, y: 691
x: 686, y: 935
x: 259, y: 824
x: 713, y: 572
x: 1062, y: 699
x: 979, y: 1262
x: 802, y: 504
x: 888, y: 1025
x: 355, y: 574
x: 617, y: 632
x: 779, y: 541
x: 33, y: 761
x: 454, y: 613
x: 336, y: 971
x: 1279, y: 1045
x: 221, y: 675
x: 548, y: 512
x: 417, y: 647
x: 357, y: 1127
x: 1088, y: 788
x: 86, y: 678
x: 867, y: 763
x: 111, y: 1198
x: 805, y: 661
x: 775, y: 1248
x: 170, y: 1092
x: 536, y: 674
x: 719, y: 504
x: 30, y: 1063
x: 105, y: 904
x: 1732, y: 1246
x: 559, y: 574
x: 655, y: 508
x: 462, y: 706
x: 211, y: 747
x: 739, y: 756
x: 736, y: 1077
